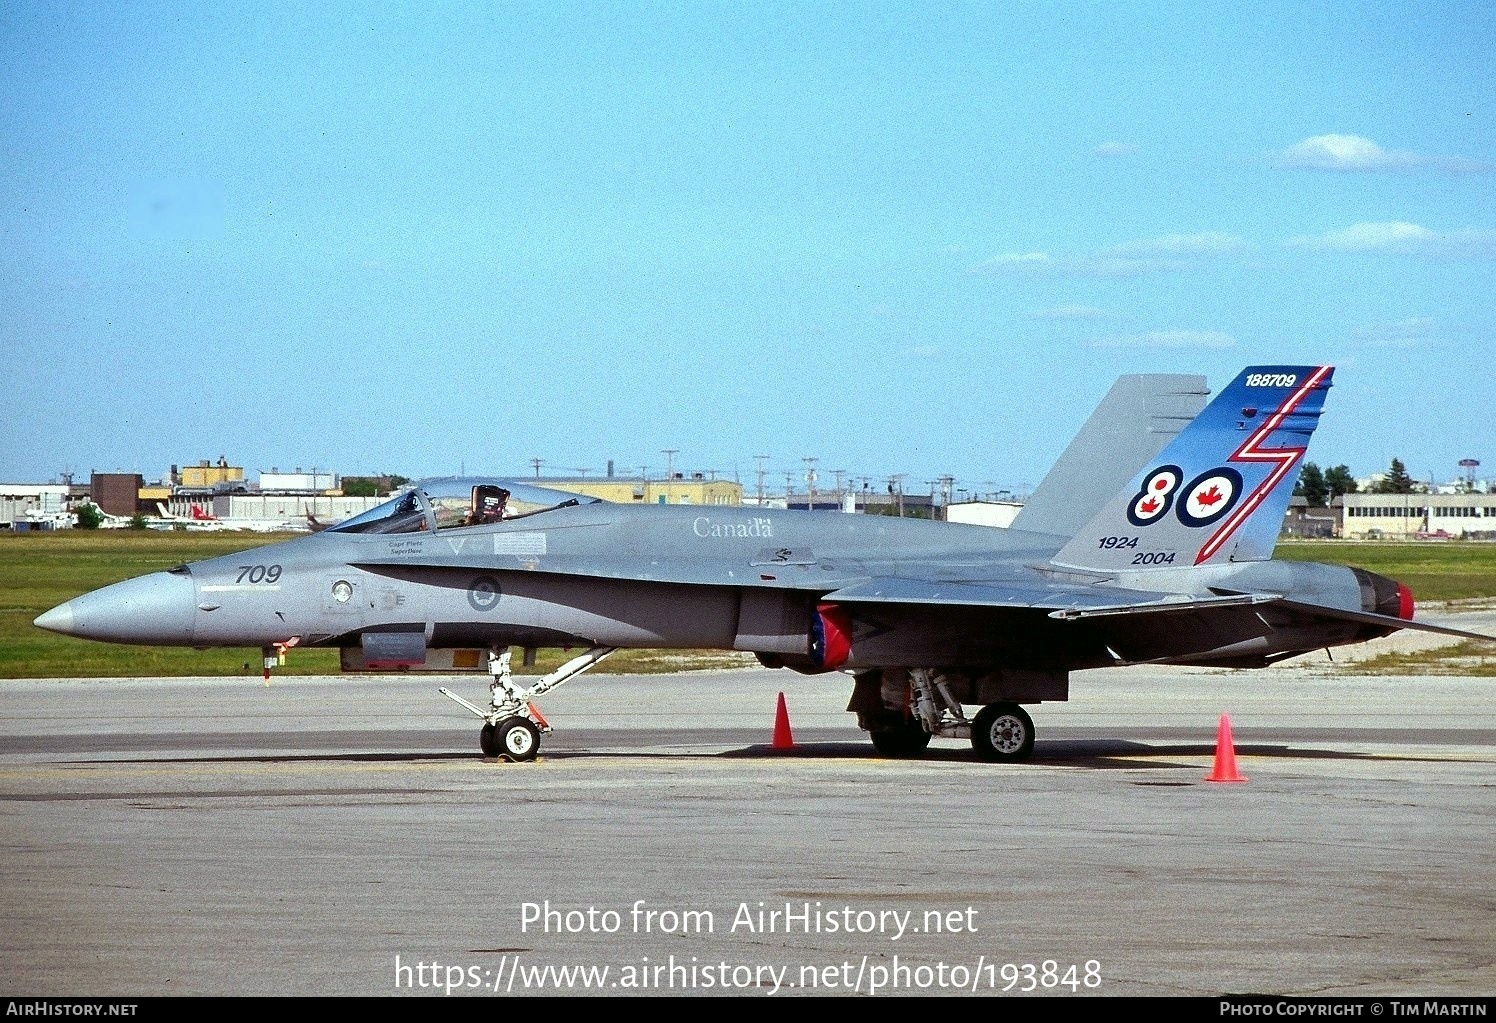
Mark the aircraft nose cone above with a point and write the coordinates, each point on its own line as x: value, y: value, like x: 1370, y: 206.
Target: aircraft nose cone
x: 59, y: 619
x: 156, y: 609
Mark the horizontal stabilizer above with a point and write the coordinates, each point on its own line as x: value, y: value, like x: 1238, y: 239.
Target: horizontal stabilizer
x: 1174, y: 604
x: 1372, y: 618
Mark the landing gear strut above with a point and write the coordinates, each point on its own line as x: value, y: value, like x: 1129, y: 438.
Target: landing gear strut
x: 903, y: 710
x: 513, y: 725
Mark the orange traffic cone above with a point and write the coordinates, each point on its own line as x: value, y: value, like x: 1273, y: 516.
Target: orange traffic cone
x: 1225, y: 759
x: 783, y: 738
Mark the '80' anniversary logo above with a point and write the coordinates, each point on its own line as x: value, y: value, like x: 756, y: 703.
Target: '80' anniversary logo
x: 1208, y: 496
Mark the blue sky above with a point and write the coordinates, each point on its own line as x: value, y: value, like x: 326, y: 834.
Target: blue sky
x: 916, y: 239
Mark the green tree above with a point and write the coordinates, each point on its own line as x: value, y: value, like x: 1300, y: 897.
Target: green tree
x: 372, y: 486
x: 89, y: 516
x: 1312, y: 486
x: 1340, y: 481
x: 137, y: 521
x: 1397, y: 480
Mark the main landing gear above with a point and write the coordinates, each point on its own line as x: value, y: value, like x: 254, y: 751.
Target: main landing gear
x: 902, y: 711
x: 513, y: 725
x: 1002, y: 731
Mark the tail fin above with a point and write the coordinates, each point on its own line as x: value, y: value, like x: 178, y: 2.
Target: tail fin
x: 1136, y: 419
x: 1217, y: 493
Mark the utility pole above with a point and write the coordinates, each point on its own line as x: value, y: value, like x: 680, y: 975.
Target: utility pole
x: 537, y: 463
x: 760, y: 459
x: 896, y: 487
x: 669, y: 454
x: 810, y: 480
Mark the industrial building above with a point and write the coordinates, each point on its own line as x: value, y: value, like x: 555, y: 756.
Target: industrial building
x: 678, y: 489
x: 116, y: 493
x: 206, y: 475
x: 1419, y: 516
x: 26, y: 504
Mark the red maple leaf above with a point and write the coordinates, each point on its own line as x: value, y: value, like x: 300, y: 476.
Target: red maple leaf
x: 1209, y: 497
x: 1149, y: 506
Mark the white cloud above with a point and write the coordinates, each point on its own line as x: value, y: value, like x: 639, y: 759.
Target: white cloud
x: 1204, y: 243
x: 1171, y: 339
x: 1337, y: 152
x: 1413, y: 332
x: 1356, y: 153
x: 1397, y: 235
x: 1109, y: 266
x: 1041, y: 264
x: 1174, y: 253
x: 1402, y: 238
x: 1070, y: 312
x: 1023, y: 262
x: 1115, y: 149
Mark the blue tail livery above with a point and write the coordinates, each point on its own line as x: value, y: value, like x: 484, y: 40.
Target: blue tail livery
x: 1217, y: 493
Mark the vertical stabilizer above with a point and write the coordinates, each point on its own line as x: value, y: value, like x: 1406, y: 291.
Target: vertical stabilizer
x: 1137, y: 418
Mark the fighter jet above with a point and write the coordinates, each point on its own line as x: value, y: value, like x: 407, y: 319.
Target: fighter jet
x: 1150, y: 541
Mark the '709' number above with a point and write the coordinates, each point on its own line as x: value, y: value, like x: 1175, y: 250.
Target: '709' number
x: 258, y: 573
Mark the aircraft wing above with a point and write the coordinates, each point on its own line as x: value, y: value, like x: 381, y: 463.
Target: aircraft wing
x: 1132, y: 626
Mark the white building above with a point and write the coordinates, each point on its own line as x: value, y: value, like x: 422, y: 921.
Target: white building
x: 1419, y: 516
x: 297, y: 482
x: 19, y: 499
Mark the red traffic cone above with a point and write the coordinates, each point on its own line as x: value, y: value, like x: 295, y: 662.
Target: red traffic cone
x: 1225, y: 759
x: 783, y: 738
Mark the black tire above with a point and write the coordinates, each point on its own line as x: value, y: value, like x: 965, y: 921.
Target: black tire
x: 909, y: 739
x: 517, y: 739
x: 1003, y: 733
x: 488, y: 741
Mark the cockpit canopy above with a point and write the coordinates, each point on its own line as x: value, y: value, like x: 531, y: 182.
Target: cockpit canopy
x: 452, y: 503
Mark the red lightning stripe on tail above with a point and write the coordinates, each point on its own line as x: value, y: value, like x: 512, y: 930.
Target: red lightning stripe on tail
x: 1250, y: 451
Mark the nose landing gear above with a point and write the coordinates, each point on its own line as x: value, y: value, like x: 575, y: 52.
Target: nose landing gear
x: 513, y: 725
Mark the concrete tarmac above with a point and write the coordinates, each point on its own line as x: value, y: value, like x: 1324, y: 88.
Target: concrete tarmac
x: 344, y: 836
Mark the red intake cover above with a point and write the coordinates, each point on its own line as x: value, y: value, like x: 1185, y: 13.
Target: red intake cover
x: 831, y: 636
x: 1404, y: 603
